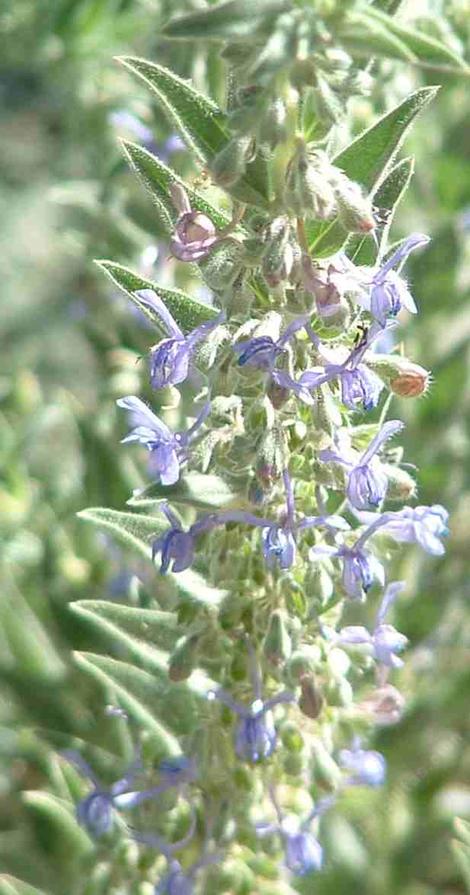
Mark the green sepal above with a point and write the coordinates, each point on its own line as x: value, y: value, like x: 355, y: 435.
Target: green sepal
x: 187, y: 312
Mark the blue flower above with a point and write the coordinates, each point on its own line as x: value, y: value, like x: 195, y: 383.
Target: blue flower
x: 367, y: 480
x: 167, y: 449
x: 170, y: 359
x: 360, y: 567
x: 262, y: 352
x: 389, y: 292
x: 421, y: 525
x: 176, y: 545
x: 255, y: 734
x: 366, y: 767
x: 358, y: 384
x: 302, y: 850
x: 384, y: 641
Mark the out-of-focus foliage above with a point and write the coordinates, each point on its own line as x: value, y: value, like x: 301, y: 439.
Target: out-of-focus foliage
x: 70, y: 346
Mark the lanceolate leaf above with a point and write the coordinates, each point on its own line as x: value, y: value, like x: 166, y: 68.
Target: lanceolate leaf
x: 157, y: 177
x: 367, y: 160
x: 149, y: 626
x: 195, y: 489
x: 135, y: 691
x: 426, y: 50
x: 234, y: 20
x: 133, y: 530
x: 387, y: 198
x: 201, y: 123
x: 148, y: 697
x: 188, y: 312
x: 9, y: 885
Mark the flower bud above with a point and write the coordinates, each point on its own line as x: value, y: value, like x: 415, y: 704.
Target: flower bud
x: 311, y: 700
x: 384, y: 706
x: 281, y: 253
x: 183, y: 658
x: 403, y: 377
x: 230, y: 163
x: 302, y: 663
x: 401, y: 485
x: 272, y: 455
x: 291, y: 737
x: 277, y: 643
x: 222, y: 267
x: 355, y: 209
x: 308, y: 188
x: 273, y: 125
x: 326, y: 772
x: 339, y: 693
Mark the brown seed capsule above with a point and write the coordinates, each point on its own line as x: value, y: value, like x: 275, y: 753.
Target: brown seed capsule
x: 411, y: 382
x: 311, y: 700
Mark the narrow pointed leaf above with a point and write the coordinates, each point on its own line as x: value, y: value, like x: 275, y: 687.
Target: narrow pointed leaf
x: 195, y: 489
x: 426, y: 49
x: 157, y: 177
x: 162, y: 707
x: 233, y: 20
x: 201, y: 123
x: 9, y: 885
x: 362, y: 36
x: 58, y: 817
x: 187, y: 311
x: 138, y: 627
x: 132, y: 530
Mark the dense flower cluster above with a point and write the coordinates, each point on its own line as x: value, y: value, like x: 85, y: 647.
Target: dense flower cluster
x: 289, y: 367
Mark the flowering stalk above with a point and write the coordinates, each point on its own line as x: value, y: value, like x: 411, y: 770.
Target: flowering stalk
x: 291, y: 418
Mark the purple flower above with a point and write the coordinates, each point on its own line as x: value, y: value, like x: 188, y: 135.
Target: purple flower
x: 170, y: 359
x: 360, y: 566
x: 359, y: 384
x: 167, y: 449
x: 385, y: 641
x: 195, y: 233
x: 367, y: 479
x: 302, y: 850
x: 177, y: 881
x: 176, y: 545
x: 255, y: 734
x: 389, y: 292
x: 365, y: 766
x: 262, y: 352
x: 419, y: 525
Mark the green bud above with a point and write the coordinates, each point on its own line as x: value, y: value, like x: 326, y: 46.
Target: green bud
x: 293, y: 763
x: 355, y: 209
x: 326, y: 772
x: 230, y: 163
x: 272, y: 455
x: 308, y: 189
x: 339, y: 693
x: 311, y: 700
x: 291, y: 737
x: 183, y: 658
x: 281, y: 254
x: 277, y: 643
x: 329, y: 107
x: 221, y: 268
x: 302, y: 662
x: 273, y: 125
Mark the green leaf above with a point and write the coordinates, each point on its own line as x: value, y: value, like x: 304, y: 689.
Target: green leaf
x: 162, y: 707
x: 363, y: 36
x: 195, y: 489
x: 367, y: 160
x: 9, y: 885
x: 187, y: 311
x: 148, y: 626
x: 201, y: 122
x: 58, y: 817
x: 194, y: 589
x: 157, y: 177
x: 387, y: 198
x: 235, y: 20
x: 202, y: 125
x: 133, y: 530
x: 427, y: 50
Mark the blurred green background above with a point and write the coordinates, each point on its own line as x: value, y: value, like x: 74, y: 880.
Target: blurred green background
x: 69, y: 348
